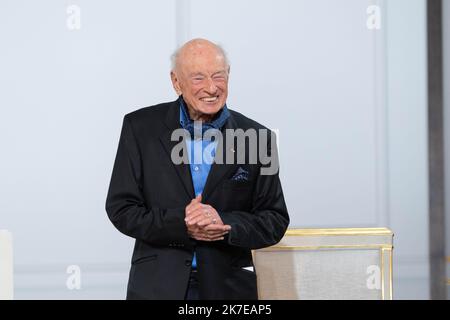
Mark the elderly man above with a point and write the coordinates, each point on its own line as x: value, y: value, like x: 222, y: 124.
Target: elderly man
x: 195, y: 222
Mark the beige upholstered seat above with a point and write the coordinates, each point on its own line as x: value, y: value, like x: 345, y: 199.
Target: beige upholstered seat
x: 353, y: 263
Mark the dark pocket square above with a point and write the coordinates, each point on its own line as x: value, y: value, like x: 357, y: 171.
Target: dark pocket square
x: 240, y: 175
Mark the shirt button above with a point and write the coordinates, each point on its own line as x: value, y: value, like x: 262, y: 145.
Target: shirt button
x: 188, y: 263
x: 196, y: 168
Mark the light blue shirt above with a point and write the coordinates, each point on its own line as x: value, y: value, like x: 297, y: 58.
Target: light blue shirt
x: 199, y: 169
x: 200, y: 153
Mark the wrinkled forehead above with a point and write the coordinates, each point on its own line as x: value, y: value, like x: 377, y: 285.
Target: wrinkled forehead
x: 201, y: 59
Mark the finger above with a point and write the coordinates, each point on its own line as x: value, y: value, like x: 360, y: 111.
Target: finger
x: 189, y: 206
x: 204, y: 234
x: 214, y: 231
x: 210, y: 211
x: 197, y: 215
x: 218, y: 227
x: 199, y: 211
x: 210, y: 234
x: 208, y: 239
x: 200, y: 221
x: 193, y: 229
x: 210, y: 217
x: 204, y: 222
x: 197, y: 199
x: 213, y: 219
x: 194, y: 208
x: 217, y: 234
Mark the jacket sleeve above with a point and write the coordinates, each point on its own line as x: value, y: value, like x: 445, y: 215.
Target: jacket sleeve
x: 268, y: 219
x: 125, y: 204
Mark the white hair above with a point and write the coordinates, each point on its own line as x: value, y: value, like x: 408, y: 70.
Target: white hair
x: 174, y: 57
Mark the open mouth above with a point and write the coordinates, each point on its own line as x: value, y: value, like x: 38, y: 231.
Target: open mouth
x: 210, y: 99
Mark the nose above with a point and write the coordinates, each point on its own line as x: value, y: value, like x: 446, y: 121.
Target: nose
x: 211, y: 87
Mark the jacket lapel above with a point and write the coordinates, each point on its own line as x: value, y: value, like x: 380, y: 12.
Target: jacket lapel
x: 219, y: 171
x: 183, y: 170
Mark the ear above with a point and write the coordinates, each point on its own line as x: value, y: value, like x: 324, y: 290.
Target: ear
x: 175, y: 83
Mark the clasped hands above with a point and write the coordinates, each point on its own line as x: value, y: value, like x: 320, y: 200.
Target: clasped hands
x: 203, y: 221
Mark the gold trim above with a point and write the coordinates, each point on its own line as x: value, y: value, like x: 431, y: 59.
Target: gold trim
x: 256, y: 270
x: 340, y: 232
x: 391, y: 274
x: 382, y: 273
x: 336, y: 246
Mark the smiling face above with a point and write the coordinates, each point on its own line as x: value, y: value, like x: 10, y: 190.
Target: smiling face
x: 201, y: 76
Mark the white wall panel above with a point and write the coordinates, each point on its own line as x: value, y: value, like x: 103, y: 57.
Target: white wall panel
x: 308, y: 68
x: 63, y: 96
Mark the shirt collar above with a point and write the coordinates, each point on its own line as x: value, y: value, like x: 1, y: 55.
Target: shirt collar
x: 217, y: 123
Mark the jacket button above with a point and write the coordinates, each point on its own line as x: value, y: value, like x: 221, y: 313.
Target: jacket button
x: 188, y: 263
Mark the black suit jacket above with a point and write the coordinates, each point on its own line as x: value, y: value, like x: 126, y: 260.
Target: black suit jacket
x: 147, y: 198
